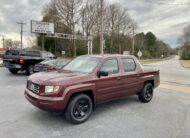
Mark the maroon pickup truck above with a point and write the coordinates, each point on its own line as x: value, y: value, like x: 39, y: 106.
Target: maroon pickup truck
x: 90, y: 80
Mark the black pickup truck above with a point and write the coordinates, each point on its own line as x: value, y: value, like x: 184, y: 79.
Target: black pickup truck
x: 21, y: 60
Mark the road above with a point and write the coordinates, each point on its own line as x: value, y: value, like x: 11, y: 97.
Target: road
x: 173, y: 75
x: 166, y: 116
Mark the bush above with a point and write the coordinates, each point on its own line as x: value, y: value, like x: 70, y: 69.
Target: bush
x: 185, y: 54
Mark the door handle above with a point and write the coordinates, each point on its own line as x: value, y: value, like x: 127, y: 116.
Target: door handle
x: 118, y: 78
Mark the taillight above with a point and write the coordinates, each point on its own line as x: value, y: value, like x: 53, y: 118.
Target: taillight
x: 21, y: 60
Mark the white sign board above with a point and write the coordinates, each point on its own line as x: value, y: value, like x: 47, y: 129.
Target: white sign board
x: 126, y: 53
x: 139, y: 54
x: 42, y: 27
x: 63, y: 52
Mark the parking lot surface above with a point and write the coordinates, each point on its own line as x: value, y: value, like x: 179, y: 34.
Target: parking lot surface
x: 166, y: 116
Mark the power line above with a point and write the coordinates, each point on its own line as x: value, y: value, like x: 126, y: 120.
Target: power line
x: 21, y: 30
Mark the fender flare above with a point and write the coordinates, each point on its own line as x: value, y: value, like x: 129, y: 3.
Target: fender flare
x: 74, y: 89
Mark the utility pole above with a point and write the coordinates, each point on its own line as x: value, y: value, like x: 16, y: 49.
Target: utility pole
x: 133, y: 45
x: 3, y: 38
x: 101, y: 27
x: 21, y: 31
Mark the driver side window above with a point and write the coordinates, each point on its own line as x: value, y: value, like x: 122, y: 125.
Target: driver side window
x: 110, y: 66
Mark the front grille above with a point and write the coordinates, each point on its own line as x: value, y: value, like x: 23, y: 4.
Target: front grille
x: 33, y: 87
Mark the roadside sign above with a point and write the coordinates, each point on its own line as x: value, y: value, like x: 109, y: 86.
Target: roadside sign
x: 42, y: 27
x: 126, y: 53
x: 63, y: 52
x: 139, y: 54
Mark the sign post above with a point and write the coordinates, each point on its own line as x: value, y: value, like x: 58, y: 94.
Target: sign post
x: 43, y: 41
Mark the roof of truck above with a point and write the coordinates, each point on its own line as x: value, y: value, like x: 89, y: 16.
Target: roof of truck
x: 110, y: 55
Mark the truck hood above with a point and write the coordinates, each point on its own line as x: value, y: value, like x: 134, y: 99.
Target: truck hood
x: 58, y: 78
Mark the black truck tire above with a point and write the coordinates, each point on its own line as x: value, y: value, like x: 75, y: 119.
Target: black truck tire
x: 79, y: 109
x: 13, y: 71
x: 146, y: 94
x: 30, y: 70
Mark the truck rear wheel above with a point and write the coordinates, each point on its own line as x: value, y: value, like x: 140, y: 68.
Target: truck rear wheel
x: 13, y: 71
x: 79, y: 109
x: 30, y: 70
x: 146, y: 94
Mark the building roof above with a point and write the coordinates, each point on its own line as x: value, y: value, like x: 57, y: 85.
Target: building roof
x: 3, y: 49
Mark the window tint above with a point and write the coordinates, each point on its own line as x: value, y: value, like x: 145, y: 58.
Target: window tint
x: 32, y: 53
x: 12, y: 52
x: 110, y: 66
x: 129, y: 64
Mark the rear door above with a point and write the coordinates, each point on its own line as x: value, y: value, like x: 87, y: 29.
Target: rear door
x: 109, y: 87
x: 130, y: 78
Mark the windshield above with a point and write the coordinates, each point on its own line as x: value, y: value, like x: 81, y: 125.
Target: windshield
x: 82, y: 64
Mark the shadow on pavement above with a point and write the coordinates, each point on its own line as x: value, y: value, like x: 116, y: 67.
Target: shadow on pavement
x: 56, y: 118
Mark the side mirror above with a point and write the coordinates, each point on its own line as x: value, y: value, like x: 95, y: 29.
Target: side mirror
x: 102, y: 73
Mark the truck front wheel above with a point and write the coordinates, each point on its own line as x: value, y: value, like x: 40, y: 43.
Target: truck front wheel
x: 13, y: 71
x: 146, y: 94
x: 79, y: 109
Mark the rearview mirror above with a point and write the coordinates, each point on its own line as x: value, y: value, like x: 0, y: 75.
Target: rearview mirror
x: 102, y: 73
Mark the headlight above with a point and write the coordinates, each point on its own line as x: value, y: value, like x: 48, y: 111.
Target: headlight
x: 51, y: 89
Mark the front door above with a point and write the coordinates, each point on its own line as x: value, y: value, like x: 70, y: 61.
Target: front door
x: 108, y: 88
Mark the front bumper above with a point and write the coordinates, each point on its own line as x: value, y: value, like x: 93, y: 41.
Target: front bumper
x: 45, y: 103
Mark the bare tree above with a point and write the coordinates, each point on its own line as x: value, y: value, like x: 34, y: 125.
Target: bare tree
x: 89, y: 16
x: 118, y: 21
x: 69, y: 12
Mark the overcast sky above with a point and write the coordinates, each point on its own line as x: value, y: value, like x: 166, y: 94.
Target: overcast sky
x: 165, y: 18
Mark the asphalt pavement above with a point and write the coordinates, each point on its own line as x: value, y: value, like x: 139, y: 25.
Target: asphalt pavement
x: 166, y: 116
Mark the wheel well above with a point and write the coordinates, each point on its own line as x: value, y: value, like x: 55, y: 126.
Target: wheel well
x: 150, y: 81
x: 87, y: 92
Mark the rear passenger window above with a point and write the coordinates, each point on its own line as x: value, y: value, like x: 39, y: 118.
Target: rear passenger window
x: 32, y: 53
x: 12, y: 52
x: 129, y: 64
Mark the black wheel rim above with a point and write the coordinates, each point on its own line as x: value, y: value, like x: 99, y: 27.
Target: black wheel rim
x: 81, y: 109
x: 148, y: 93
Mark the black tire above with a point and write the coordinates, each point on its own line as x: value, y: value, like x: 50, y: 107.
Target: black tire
x: 146, y: 94
x: 79, y: 109
x: 30, y: 70
x: 13, y: 71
